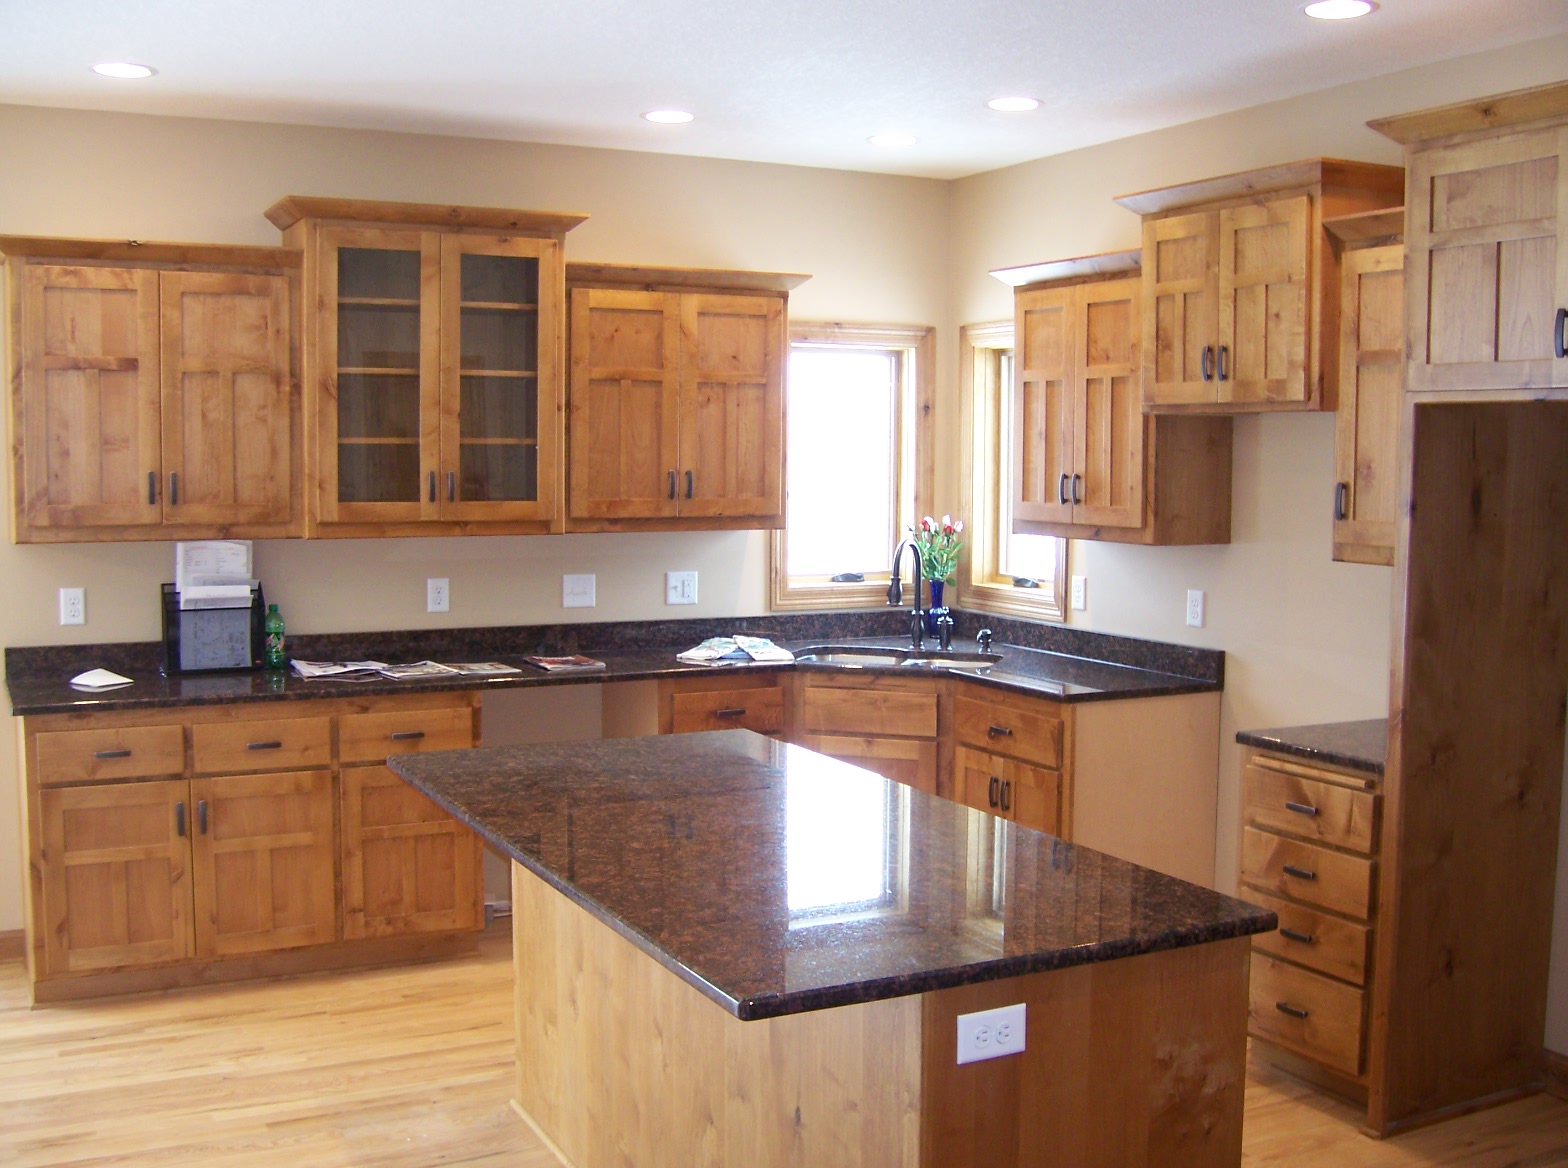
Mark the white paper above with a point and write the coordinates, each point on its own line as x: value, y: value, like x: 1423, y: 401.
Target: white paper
x: 96, y: 679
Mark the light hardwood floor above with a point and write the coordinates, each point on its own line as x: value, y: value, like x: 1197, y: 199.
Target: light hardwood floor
x: 401, y: 1068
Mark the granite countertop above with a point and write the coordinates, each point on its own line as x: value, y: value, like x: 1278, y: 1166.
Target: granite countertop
x: 776, y: 880
x: 1362, y: 746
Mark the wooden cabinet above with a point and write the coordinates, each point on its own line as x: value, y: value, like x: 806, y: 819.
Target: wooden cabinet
x: 1087, y: 463
x: 676, y: 398
x: 153, y: 391
x: 433, y: 352
x: 1239, y: 289
x: 1371, y: 368
x: 884, y: 724
x: 750, y: 700
x: 1008, y: 757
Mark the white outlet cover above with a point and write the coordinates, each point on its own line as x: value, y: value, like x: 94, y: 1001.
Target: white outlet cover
x: 1195, y: 608
x: 1080, y: 592
x: 577, y: 590
x: 989, y: 1034
x: 438, y: 594
x: 680, y: 588
x: 73, y: 606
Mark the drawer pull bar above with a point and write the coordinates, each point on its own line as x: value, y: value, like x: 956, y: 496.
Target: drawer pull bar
x: 730, y: 712
x: 1300, y: 808
x: 1292, y: 935
x: 1299, y: 873
x: 201, y: 816
x: 1007, y: 794
x: 999, y: 731
x: 407, y: 735
x: 264, y: 746
x: 111, y: 754
x: 991, y: 793
x: 179, y: 818
x: 1293, y: 1011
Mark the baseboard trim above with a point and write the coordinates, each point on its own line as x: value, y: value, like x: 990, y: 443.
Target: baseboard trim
x: 1556, y: 1073
x: 13, y: 945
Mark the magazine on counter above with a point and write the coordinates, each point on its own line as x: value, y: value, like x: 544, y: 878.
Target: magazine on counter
x: 575, y: 663
x: 416, y: 670
x: 337, y: 670
x: 736, y: 650
x: 482, y: 668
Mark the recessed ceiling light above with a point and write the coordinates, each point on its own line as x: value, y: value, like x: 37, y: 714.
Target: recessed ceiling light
x: 1339, y: 9
x: 1014, y: 105
x: 123, y: 69
x: 892, y: 139
x: 668, y: 117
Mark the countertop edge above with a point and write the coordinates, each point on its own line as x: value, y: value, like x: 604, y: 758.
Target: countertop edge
x: 1309, y: 743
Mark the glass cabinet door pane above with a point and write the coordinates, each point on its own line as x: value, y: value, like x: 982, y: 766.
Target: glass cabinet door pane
x: 499, y: 356
x: 378, y: 375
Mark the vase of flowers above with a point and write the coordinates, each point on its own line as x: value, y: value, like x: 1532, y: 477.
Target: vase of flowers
x: 939, y: 545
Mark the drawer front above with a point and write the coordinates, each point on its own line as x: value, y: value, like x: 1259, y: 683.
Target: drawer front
x: 900, y: 759
x: 1325, y: 812
x: 1308, y: 937
x: 869, y: 711
x: 275, y: 744
x: 75, y: 756
x: 372, y: 737
x: 1030, y: 735
x: 1303, y: 871
x: 1307, y: 1013
x: 1030, y: 796
x: 761, y: 710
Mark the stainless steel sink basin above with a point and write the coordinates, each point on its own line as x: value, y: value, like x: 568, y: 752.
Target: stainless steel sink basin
x: 854, y: 656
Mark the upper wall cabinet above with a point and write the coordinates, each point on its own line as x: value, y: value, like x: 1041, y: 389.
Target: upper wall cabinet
x: 677, y: 398
x: 1485, y: 236
x: 433, y: 342
x: 153, y: 391
x: 1240, y: 292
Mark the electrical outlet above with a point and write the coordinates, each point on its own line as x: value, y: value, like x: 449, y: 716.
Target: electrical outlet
x: 438, y: 594
x: 73, y: 606
x: 988, y: 1034
x: 680, y: 588
x: 1080, y: 592
x: 1195, y: 608
x: 577, y: 591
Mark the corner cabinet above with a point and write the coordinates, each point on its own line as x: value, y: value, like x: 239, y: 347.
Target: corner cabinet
x: 676, y: 398
x: 154, y: 391
x: 433, y: 366
x: 1240, y: 291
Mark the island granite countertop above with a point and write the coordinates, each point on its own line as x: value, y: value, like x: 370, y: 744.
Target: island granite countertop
x: 776, y: 880
x: 1361, y: 746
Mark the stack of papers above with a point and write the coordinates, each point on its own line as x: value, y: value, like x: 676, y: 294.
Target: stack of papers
x: 575, y: 663
x: 96, y: 680
x: 370, y: 670
x: 338, y: 670
x: 736, y: 650
x: 213, y: 573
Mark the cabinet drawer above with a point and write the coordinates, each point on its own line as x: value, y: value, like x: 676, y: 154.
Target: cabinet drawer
x: 761, y: 710
x: 1306, y: 1012
x: 273, y: 745
x: 75, y: 756
x: 372, y: 737
x: 1308, y: 937
x: 900, y: 759
x: 1032, y: 735
x: 1306, y: 807
x: 1307, y: 872
x: 869, y: 711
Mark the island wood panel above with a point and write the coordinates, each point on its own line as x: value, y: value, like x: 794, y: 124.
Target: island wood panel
x: 1366, y: 433
x: 1264, y: 289
x: 1296, y: 805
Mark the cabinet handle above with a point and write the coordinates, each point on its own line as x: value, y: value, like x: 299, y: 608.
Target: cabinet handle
x: 201, y: 816
x: 1560, y: 334
x: 1061, y: 490
x: 264, y: 746
x: 1007, y: 794
x: 688, y: 484
x: 1341, y: 500
x: 730, y: 712
x: 991, y: 791
x: 451, y: 486
x: 406, y: 735
x: 1077, y: 480
x: 995, y: 731
x: 111, y: 754
x: 432, y: 486
x: 1300, y: 808
x: 174, y: 488
x: 1224, y: 364
x: 179, y: 818
x: 1293, y: 1011
x: 672, y: 484
x: 1299, y: 873
x: 152, y: 487
x: 1206, y: 362
x: 1292, y: 935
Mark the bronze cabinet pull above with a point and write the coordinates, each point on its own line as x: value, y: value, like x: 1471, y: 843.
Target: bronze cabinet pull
x: 672, y: 484
x: 1206, y: 362
x: 1293, y: 1011
x: 688, y: 484
x: 1299, y: 873
x: 1292, y: 935
x: 432, y: 486
x: 264, y: 746
x: 1300, y: 808
x: 1224, y: 363
x: 730, y: 712
x: 405, y: 735
x: 1061, y: 489
x: 995, y: 731
x: 201, y: 816
x: 991, y: 794
x: 111, y: 754
x: 179, y: 818
x: 1341, y: 500
x: 174, y: 488
x: 152, y: 487
x: 1007, y: 794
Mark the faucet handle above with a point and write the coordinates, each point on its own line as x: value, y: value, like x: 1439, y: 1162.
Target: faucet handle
x: 984, y: 637
x: 944, y: 632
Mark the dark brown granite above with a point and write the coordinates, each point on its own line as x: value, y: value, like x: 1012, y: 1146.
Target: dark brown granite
x: 1362, y: 746
x: 776, y: 880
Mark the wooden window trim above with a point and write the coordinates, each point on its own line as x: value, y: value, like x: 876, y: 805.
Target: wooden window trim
x: 919, y: 348
x: 980, y: 479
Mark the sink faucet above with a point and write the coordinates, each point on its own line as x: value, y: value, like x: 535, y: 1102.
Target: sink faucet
x: 895, y: 592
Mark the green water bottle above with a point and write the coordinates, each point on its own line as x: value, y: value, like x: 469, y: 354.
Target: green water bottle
x: 272, y: 653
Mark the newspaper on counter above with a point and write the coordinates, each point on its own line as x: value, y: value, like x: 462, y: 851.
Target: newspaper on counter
x: 736, y: 650
x: 572, y: 663
x: 337, y: 670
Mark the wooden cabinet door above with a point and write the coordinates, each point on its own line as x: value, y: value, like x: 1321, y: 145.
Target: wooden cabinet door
x: 1108, y: 424
x: 265, y: 862
x: 905, y: 760
x: 500, y: 427
x: 89, y: 397
x: 1042, y: 406
x: 1366, y: 435
x: 1030, y: 796
x: 731, y: 414
x: 116, y: 863
x: 379, y: 362
x: 1488, y: 267
x: 1181, y: 316
x: 408, y: 866
x: 1263, y: 295
x: 977, y: 779
x: 625, y: 375
x: 227, y: 398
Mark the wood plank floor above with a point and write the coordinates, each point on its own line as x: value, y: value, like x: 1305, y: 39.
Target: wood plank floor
x: 402, y: 1068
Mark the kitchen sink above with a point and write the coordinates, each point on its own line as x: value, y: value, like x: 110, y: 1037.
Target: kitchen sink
x: 855, y: 656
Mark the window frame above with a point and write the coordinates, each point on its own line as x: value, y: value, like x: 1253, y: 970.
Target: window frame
x: 915, y: 458
x: 981, y: 473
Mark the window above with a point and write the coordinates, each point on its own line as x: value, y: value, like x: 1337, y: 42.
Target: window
x: 1015, y: 575
x: 858, y: 460
x: 845, y: 845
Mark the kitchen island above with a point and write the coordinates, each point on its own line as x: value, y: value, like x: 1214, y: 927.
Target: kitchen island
x: 733, y: 951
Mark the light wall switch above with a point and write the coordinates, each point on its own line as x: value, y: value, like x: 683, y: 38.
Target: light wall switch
x: 577, y: 591
x: 73, y: 606
x: 680, y: 588
x: 1080, y: 592
x: 1195, y: 608
x: 988, y: 1034
x: 438, y: 594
